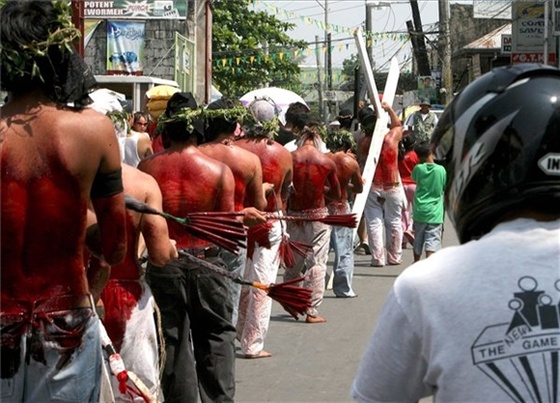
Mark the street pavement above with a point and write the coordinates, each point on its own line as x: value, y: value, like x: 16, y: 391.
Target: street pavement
x: 318, y: 362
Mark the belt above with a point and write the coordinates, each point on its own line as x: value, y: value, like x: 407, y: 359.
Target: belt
x: 64, y: 302
x: 201, y: 253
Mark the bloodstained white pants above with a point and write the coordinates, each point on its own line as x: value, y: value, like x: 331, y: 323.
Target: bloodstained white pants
x: 255, y: 305
x: 314, y: 266
x: 383, y: 213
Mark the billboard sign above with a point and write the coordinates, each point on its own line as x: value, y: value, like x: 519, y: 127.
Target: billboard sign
x: 135, y: 9
x: 532, y: 57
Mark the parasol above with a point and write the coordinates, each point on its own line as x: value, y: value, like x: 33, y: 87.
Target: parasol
x: 281, y: 97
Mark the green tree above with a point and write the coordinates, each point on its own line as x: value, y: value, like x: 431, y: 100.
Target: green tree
x: 256, y: 48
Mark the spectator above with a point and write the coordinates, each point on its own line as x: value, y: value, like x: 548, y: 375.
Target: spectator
x: 341, y: 143
x: 477, y: 322
x: 407, y: 161
x: 430, y: 181
x: 422, y: 122
x: 140, y: 122
x: 286, y: 133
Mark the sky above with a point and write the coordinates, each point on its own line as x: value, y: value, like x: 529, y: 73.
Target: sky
x: 389, y: 18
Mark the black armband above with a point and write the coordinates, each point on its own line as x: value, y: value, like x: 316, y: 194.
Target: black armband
x: 106, y: 185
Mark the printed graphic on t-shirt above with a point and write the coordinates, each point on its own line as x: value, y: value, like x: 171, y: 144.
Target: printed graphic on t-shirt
x: 522, y: 356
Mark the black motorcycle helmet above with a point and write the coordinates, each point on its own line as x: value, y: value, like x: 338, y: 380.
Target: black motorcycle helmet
x: 499, y: 140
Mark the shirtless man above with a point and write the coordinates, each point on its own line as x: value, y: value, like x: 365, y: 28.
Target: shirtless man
x: 195, y: 305
x: 127, y: 299
x: 247, y: 172
x: 262, y: 266
x: 53, y: 160
x: 314, y: 179
x: 386, y: 198
x: 341, y: 142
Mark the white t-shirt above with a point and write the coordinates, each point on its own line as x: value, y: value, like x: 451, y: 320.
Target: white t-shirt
x: 292, y: 146
x: 476, y: 322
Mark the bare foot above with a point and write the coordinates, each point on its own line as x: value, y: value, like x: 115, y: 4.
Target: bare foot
x: 261, y: 354
x: 314, y: 319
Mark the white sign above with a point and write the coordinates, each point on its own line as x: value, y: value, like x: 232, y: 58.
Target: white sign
x: 528, y: 26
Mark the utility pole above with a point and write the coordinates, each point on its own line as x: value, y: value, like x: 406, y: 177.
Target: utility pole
x: 328, y: 66
x: 78, y: 21
x: 421, y: 53
x: 319, y: 81
x: 369, y: 30
x: 445, y: 43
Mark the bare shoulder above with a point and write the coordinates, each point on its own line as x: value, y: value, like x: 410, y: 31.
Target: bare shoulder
x: 138, y: 183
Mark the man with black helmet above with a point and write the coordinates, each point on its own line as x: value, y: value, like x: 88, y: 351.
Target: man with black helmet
x: 480, y: 322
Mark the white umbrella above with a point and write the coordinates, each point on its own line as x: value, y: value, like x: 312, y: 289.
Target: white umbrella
x: 283, y: 98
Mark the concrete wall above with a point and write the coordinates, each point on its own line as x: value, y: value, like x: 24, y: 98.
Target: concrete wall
x: 464, y: 29
x: 160, y: 40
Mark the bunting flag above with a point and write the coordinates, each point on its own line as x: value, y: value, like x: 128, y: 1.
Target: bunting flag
x: 339, y: 29
x: 371, y: 39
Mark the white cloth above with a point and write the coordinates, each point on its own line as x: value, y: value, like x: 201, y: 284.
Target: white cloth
x: 255, y: 306
x: 472, y: 323
x: 383, y: 215
x: 131, y: 156
x: 292, y: 146
x: 139, y: 348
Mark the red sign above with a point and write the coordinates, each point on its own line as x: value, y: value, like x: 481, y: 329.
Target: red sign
x: 532, y: 57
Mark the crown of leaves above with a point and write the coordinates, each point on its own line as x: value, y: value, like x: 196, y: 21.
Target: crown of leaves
x: 21, y: 61
x: 188, y: 116
x: 339, y: 139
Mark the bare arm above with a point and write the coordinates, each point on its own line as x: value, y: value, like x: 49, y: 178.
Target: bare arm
x: 154, y: 228
x: 395, y: 121
x: 226, y: 202
x: 108, y: 201
x: 333, y: 193
x: 145, y: 147
x: 357, y: 182
x: 98, y: 271
x: 255, y: 195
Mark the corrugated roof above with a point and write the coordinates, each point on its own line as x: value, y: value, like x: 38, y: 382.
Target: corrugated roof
x: 492, y: 40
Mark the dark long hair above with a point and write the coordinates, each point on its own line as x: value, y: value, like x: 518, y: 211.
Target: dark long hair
x: 59, y: 72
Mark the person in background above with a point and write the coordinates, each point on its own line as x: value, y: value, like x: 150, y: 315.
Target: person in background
x: 407, y: 161
x: 250, y: 191
x: 422, y: 122
x: 127, y: 299
x: 195, y: 302
x: 140, y: 122
x: 57, y: 157
x: 137, y: 144
x: 498, y: 141
x: 341, y: 143
x: 428, y: 213
x: 286, y: 133
x: 263, y: 263
x: 367, y: 118
x: 384, y: 204
x: 314, y: 179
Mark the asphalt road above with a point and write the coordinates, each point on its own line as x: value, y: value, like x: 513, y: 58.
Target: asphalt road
x: 318, y: 362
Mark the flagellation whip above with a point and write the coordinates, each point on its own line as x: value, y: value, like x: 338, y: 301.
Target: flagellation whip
x: 222, y: 230
x: 294, y: 299
x: 341, y: 220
